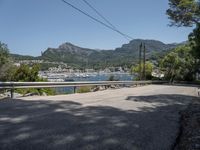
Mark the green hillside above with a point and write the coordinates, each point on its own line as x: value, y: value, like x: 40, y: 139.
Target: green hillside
x: 126, y: 55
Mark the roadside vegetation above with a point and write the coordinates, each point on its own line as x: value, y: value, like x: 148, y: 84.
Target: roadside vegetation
x: 22, y: 73
x: 148, y: 67
x: 183, y: 62
x: 84, y: 89
x: 179, y: 64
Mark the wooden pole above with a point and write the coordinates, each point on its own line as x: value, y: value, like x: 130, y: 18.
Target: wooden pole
x: 144, y: 63
x: 140, y: 62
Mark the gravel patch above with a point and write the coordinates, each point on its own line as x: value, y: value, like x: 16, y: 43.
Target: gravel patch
x: 189, y: 138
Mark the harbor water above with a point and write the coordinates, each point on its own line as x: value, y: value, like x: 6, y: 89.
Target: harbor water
x: 97, y: 77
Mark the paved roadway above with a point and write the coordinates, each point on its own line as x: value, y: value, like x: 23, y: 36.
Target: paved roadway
x: 142, y: 118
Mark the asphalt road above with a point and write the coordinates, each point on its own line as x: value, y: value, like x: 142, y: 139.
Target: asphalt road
x: 142, y: 118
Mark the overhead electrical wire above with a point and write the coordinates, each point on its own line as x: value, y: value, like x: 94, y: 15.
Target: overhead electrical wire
x: 99, y: 21
x: 104, y: 18
x: 98, y: 13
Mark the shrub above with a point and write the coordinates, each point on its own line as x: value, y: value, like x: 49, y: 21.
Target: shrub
x: 84, y: 89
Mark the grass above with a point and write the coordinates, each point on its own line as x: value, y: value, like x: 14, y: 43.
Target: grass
x: 84, y: 89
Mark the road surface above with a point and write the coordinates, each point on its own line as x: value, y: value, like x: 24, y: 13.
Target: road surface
x: 142, y: 118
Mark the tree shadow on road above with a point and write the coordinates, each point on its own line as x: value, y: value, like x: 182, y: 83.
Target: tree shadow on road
x: 168, y: 99
x: 65, y: 125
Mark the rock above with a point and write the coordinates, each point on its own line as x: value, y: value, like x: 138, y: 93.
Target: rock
x: 1, y: 95
x: 44, y: 94
x: 98, y: 88
x: 95, y: 89
x: 114, y: 86
x: 16, y: 95
x: 101, y: 88
x: 31, y: 94
x: 6, y: 94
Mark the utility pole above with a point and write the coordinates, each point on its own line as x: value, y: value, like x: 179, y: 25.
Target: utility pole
x: 140, y: 62
x: 144, y: 63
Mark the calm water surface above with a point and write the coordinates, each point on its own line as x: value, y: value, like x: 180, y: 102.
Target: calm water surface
x: 98, y: 77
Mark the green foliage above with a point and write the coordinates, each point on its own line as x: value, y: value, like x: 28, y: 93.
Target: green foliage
x: 30, y: 74
x: 84, y: 89
x: 9, y: 72
x: 148, y: 68
x: 46, y: 66
x: 40, y: 91
x: 179, y: 64
x: 17, y: 57
x: 4, y: 54
x: 187, y: 13
x: 194, y: 39
x: 184, y: 12
x: 26, y: 74
x: 6, y: 67
x: 29, y: 90
x: 47, y: 91
x: 126, y: 55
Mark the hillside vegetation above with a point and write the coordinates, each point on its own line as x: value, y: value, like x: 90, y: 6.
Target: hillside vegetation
x: 79, y: 57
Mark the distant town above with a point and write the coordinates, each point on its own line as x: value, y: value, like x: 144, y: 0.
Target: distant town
x: 64, y: 72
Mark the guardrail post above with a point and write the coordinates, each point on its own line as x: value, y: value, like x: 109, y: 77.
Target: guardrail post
x: 12, y: 93
x: 74, y: 89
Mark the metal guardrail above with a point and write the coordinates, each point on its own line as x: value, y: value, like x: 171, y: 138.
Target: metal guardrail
x: 21, y: 85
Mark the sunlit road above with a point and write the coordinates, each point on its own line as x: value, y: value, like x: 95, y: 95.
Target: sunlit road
x: 142, y: 118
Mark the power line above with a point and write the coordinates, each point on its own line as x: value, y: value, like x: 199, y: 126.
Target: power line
x: 98, y: 13
x: 104, y: 18
x: 97, y: 20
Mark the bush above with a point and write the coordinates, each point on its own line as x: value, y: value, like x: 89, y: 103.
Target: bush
x: 84, y: 89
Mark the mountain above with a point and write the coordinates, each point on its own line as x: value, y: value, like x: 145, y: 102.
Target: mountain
x: 67, y: 53
x: 151, y: 45
x: 22, y: 57
x: 127, y: 54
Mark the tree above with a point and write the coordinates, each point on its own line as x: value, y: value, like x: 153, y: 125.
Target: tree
x: 4, y: 54
x: 187, y: 13
x: 5, y: 63
x: 184, y: 12
x: 24, y: 73
x: 7, y: 72
x: 178, y: 64
x: 194, y: 39
x: 148, y: 67
x: 27, y: 74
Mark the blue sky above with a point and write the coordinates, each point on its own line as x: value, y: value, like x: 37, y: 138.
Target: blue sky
x: 31, y: 26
